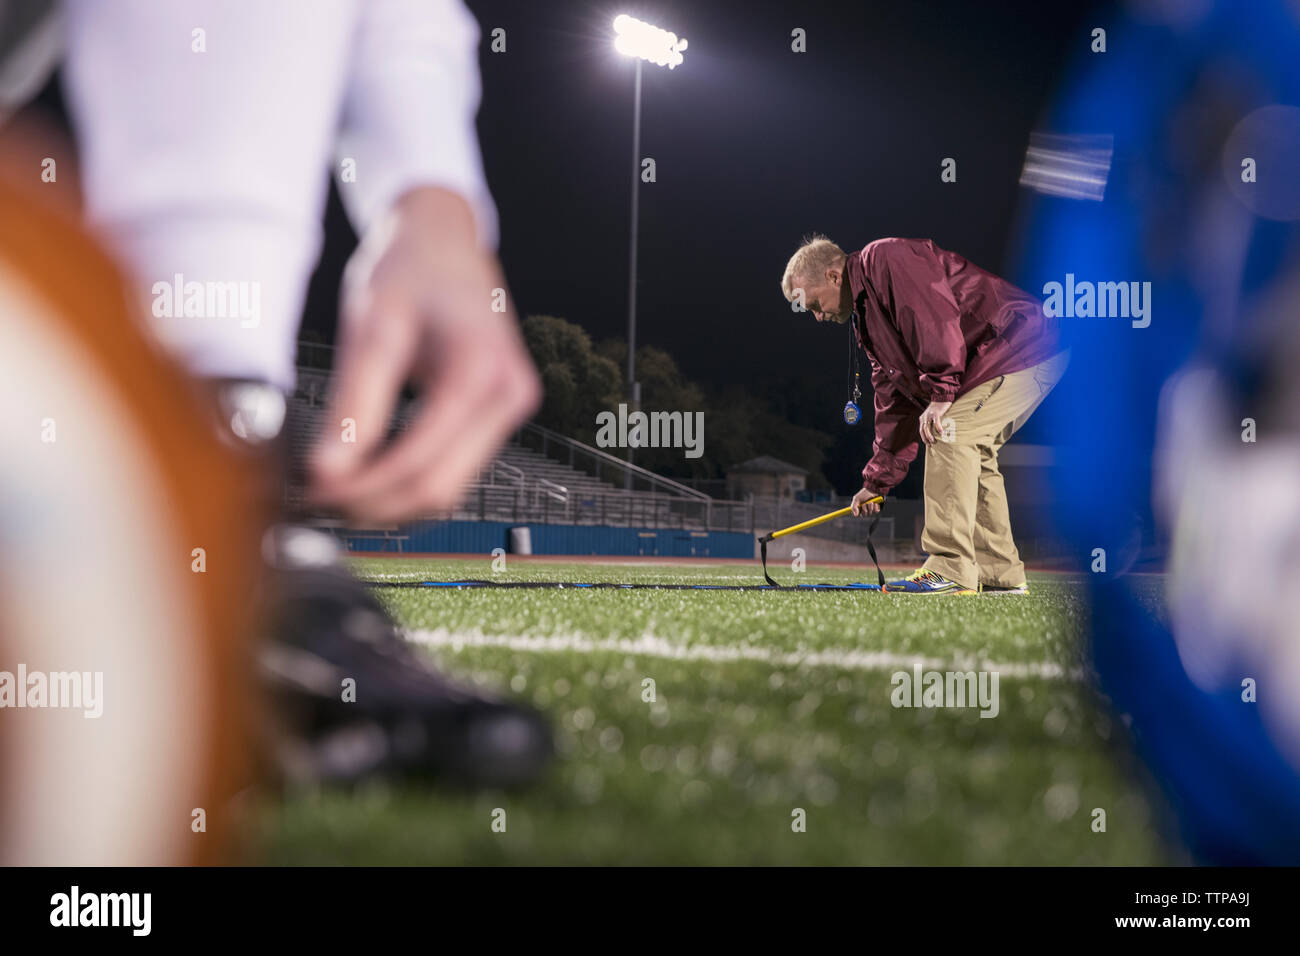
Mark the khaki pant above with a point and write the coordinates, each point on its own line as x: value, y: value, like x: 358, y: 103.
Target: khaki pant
x: 967, y: 526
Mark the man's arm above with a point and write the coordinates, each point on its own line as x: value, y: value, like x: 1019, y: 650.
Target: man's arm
x: 205, y: 130
x: 895, y: 445
x: 419, y: 304
x: 408, y: 116
x: 424, y: 299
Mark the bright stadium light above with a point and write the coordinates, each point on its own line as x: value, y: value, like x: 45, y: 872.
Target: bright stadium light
x: 637, y: 38
x: 641, y: 41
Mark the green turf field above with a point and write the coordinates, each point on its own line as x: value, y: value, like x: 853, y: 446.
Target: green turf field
x: 765, y: 704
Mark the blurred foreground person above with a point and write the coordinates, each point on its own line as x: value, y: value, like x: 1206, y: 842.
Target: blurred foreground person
x: 207, y: 132
x: 128, y: 557
x: 1203, y: 205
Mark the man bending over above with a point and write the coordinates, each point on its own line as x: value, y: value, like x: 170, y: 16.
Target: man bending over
x: 960, y: 358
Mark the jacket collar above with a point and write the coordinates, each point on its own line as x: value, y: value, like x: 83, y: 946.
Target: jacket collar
x: 856, y: 276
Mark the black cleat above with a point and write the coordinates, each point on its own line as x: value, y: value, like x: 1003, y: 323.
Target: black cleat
x: 399, y: 718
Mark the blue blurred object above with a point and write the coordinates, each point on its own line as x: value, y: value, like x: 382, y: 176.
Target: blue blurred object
x: 1182, y: 100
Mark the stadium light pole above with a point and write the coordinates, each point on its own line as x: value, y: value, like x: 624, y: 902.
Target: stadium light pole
x: 642, y: 42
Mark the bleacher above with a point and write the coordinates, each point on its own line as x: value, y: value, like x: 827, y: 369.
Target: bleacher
x: 576, y: 483
x: 540, y: 477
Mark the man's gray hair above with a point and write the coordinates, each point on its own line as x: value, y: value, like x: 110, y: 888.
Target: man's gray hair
x: 811, y: 260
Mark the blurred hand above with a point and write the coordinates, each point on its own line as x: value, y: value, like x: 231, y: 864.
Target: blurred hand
x: 862, y: 505
x: 417, y: 306
x: 932, y: 421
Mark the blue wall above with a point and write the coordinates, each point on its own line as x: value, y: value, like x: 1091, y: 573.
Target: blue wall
x: 480, y: 537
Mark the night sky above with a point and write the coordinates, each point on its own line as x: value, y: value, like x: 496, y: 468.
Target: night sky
x: 755, y: 146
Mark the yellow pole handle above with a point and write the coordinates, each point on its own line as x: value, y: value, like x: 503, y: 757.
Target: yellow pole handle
x: 813, y: 522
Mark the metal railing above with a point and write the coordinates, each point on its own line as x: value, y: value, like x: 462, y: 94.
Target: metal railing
x: 635, y: 496
x: 508, y: 472
x: 544, y: 487
x: 486, y: 502
x: 600, y: 464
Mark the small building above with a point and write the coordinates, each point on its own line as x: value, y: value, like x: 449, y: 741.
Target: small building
x: 765, y: 476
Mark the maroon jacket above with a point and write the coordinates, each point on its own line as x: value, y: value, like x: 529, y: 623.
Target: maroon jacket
x: 934, y: 326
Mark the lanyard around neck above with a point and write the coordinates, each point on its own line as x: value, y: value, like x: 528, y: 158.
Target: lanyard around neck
x: 852, y: 411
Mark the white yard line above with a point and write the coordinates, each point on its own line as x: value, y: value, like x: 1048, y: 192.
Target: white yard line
x: 650, y: 646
